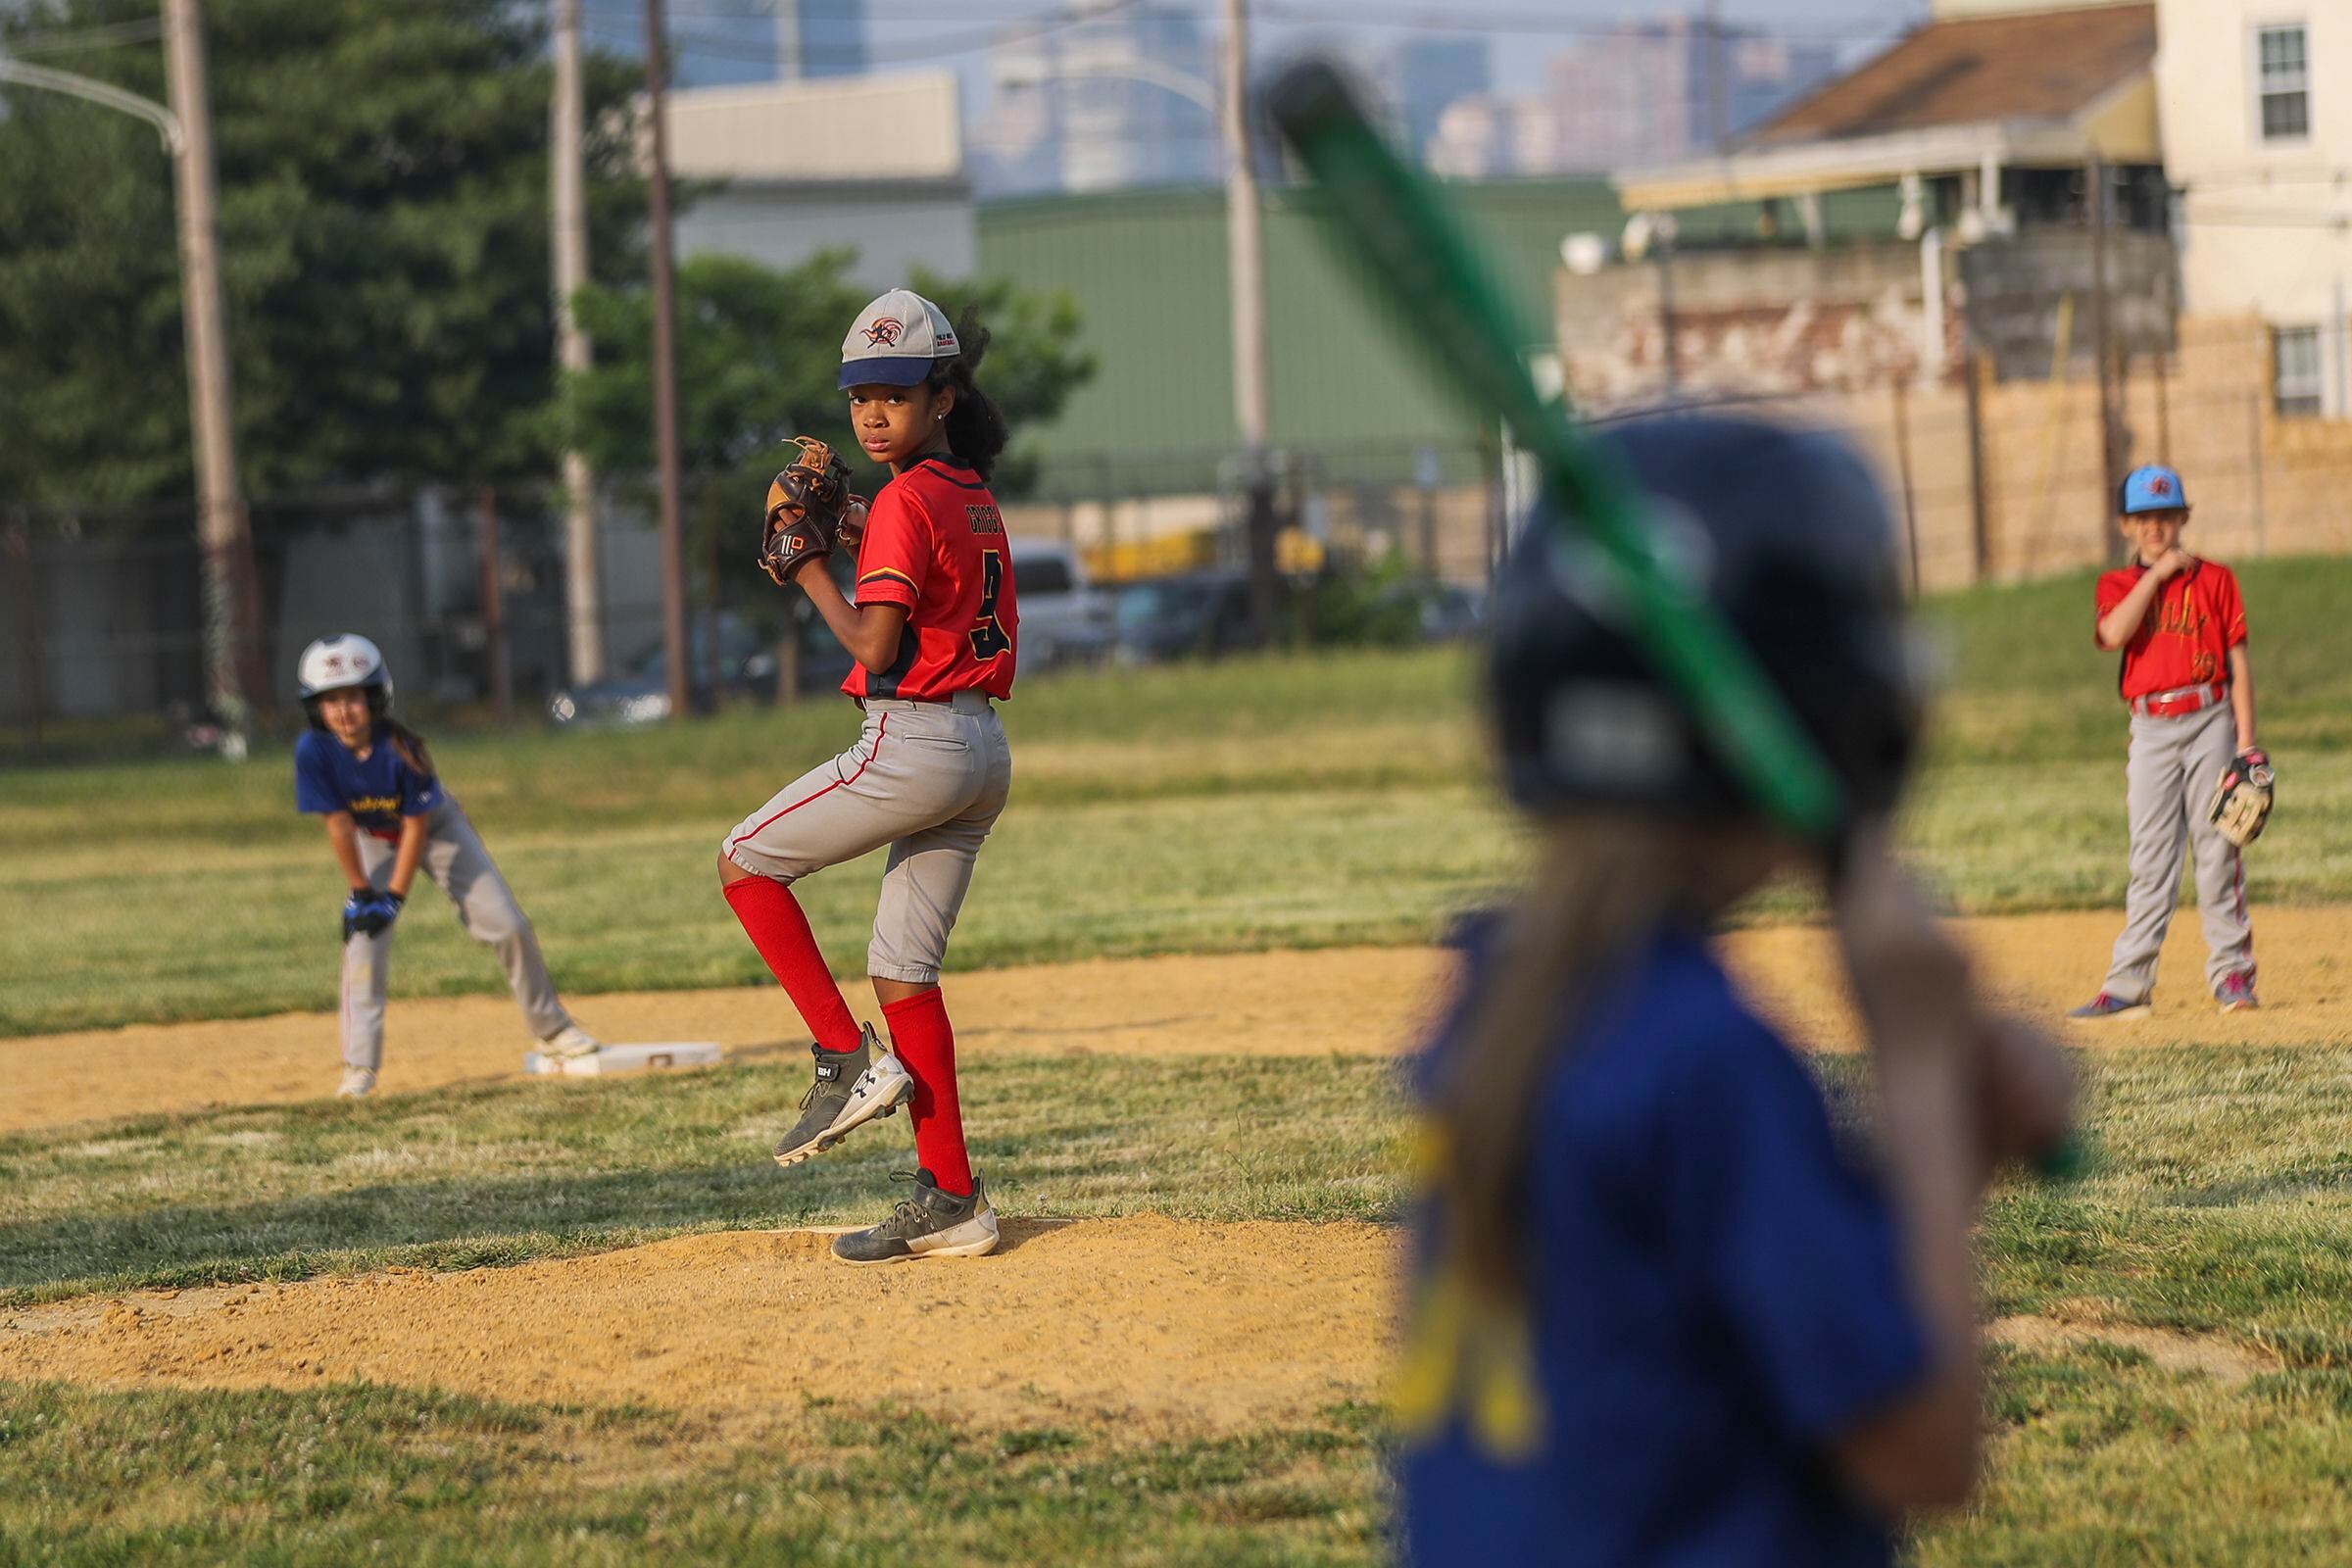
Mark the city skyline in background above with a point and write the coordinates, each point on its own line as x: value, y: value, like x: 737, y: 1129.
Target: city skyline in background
x: 1051, y: 100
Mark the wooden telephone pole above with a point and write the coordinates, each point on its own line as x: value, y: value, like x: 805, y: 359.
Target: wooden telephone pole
x: 665, y: 372
x: 234, y: 675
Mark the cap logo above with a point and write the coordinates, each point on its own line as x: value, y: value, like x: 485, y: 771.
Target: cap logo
x: 2159, y: 485
x: 884, y: 334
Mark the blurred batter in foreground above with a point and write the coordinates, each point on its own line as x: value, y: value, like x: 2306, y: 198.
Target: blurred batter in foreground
x: 1663, y: 1312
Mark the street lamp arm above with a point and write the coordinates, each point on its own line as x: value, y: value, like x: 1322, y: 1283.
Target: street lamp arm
x: 98, y: 92
x: 1182, y: 83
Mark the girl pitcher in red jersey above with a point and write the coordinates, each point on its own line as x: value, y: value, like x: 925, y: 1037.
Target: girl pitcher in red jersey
x: 934, y: 634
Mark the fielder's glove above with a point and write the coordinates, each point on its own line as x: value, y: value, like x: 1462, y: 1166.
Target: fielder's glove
x: 2241, y: 800
x: 370, y: 913
x: 805, y: 506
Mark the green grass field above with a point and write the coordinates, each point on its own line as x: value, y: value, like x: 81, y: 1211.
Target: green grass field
x: 1249, y: 804
x: 2214, y: 1207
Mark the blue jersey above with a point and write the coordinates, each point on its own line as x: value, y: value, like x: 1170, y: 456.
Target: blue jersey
x: 1715, y: 1294
x: 377, y: 792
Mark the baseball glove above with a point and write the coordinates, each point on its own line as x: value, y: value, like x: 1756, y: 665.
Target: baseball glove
x: 806, y: 504
x: 2241, y: 800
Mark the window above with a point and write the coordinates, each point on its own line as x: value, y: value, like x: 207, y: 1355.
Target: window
x: 1043, y: 574
x: 2296, y: 369
x: 2283, y: 83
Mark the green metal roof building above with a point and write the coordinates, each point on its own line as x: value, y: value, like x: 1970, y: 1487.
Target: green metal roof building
x: 1148, y: 269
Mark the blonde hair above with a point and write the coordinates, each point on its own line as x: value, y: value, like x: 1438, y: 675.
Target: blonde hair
x: 1605, y: 883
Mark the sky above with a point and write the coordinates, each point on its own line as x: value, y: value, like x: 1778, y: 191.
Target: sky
x: 1524, y: 33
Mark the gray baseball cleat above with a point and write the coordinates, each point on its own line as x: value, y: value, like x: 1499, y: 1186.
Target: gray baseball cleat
x: 358, y: 1083
x: 2104, y: 1009
x: 930, y: 1224
x: 851, y: 1088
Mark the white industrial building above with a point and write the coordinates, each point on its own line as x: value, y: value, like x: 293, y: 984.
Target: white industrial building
x: 789, y: 169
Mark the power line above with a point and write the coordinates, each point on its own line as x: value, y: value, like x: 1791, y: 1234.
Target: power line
x: 1821, y: 32
x: 80, y: 38
x: 710, y: 46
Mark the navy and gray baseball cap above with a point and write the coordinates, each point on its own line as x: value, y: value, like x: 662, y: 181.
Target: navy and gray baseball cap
x: 2153, y: 488
x: 896, y: 341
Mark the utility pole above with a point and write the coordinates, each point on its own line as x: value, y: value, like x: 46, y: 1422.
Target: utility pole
x: 665, y: 372
x: 583, y: 602
x: 2094, y: 184
x: 233, y: 674
x: 1719, y: 127
x: 1245, y: 266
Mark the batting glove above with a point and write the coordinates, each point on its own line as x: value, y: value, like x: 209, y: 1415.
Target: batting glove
x: 370, y: 913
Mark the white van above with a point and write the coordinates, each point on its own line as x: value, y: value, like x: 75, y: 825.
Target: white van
x: 1064, y: 618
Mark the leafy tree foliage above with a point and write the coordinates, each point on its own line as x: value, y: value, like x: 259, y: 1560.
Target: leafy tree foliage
x: 759, y: 352
x: 383, y: 215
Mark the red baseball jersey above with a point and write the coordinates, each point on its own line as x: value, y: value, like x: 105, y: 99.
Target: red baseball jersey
x: 2185, y: 637
x: 935, y: 543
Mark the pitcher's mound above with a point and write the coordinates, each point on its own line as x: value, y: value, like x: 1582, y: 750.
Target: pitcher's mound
x: 1135, y: 1328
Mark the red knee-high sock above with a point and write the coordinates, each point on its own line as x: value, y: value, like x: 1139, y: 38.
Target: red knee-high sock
x: 771, y: 916
x: 919, y: 1032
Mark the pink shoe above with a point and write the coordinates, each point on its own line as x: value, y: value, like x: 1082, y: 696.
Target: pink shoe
x: 2237, y: 994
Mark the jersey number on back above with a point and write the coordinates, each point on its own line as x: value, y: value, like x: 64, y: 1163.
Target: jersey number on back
x: 988, y: 636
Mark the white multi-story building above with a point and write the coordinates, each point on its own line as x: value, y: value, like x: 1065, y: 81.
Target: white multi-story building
x: 2256, y: 102
x: 1120, y: 96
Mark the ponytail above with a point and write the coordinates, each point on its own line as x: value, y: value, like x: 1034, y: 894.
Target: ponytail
x: 976, y: 431
x: 1605, y: 883
x: 409, y: 744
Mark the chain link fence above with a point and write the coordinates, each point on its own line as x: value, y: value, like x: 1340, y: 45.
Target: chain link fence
x: 1989, y: 480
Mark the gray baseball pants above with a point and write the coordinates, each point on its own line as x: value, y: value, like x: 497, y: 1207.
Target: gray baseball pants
x: 2175, y: 763
x: 454, y: 857
x: 928, y: 779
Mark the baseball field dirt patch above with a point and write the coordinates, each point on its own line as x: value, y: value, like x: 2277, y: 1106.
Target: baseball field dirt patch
x: 1134, y: 1329
x: 1350, y: 1000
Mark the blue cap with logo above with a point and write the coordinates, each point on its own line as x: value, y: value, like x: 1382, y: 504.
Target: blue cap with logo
x: 2152, y: 488
x: 896, y: 341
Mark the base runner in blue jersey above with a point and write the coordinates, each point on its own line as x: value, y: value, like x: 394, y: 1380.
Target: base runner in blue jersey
x: 1665, y: 1312
x: 388, y: 817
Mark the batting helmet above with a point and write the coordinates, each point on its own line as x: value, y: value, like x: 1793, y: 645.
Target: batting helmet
x: 1786, y: 535
x: 344, y: 660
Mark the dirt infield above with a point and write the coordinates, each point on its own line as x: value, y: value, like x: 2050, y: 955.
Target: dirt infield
x: 1346, y: 1000
x: 1134, y: 1327
x: 1137, y: 1328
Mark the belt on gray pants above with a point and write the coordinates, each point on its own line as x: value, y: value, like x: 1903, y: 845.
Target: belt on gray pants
x: 2180, y: 700
x: 963, y: 701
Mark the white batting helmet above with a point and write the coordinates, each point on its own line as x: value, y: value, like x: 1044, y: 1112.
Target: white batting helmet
x: 333, y: 663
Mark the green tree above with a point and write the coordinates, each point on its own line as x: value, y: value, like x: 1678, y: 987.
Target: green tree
x: 383, y: 184
x: 759, y: 355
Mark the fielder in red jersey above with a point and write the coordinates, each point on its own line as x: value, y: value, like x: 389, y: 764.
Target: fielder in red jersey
x: 2185, y: 630
x: 935, y: 636
x: 2188, y: 679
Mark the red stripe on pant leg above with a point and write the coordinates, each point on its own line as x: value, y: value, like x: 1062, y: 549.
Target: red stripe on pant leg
x: 881, y: 729
x: 925, y: 1043
x: 772, y: 918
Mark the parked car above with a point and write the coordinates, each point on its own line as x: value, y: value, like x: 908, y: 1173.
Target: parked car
x: 1065, y: 620
x: 639, y: 693
x: 1197, y: 615
x: 1451, y: 613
